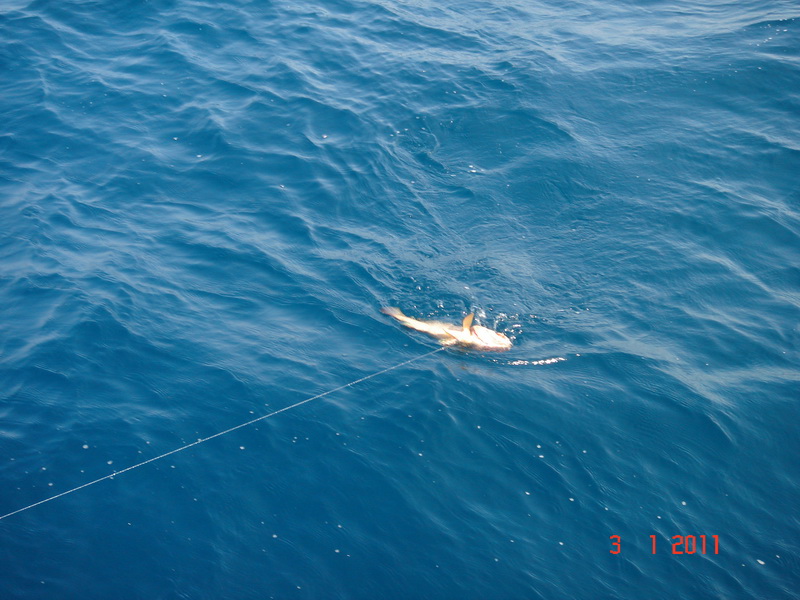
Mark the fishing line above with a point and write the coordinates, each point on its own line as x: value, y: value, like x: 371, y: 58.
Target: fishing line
x: 221, y: 433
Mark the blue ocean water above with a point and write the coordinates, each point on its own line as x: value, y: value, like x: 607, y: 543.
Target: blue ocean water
x: 204, y: 206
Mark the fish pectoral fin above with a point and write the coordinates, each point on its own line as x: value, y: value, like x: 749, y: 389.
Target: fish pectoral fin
x: 467, y: 323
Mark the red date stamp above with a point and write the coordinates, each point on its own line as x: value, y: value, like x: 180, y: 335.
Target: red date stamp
x: 681, y: 544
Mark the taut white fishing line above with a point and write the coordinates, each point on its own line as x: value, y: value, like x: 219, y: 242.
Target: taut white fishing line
x: 221, y: 433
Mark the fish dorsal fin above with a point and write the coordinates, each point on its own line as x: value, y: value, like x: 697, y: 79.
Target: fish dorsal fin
x: 468, y: 321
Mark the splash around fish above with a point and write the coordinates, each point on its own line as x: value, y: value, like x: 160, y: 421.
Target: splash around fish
x: 467, y: 335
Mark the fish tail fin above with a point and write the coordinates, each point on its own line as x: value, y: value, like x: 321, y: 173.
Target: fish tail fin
x: 393, y: 311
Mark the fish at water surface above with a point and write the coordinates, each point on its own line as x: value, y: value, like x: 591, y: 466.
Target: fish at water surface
x: 468, y: 335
